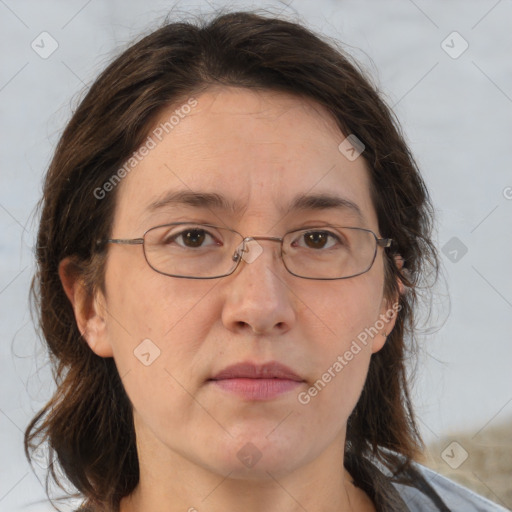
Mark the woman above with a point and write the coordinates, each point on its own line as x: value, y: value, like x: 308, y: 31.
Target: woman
x: 232, y: 237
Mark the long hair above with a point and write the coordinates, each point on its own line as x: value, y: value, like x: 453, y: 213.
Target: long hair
x: 87, y: 424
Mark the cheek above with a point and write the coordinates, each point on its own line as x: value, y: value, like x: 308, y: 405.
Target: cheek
x: 156, y: 326
x: 157, y: 353
x: 339, y: 314
x: 145, y: 304
x: 340, y: 337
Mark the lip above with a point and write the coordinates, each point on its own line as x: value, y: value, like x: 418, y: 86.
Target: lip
x: 248, y: 370
x: 257, y: 382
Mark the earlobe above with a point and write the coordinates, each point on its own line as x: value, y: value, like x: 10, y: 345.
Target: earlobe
x: 90, y: 312
x: 385, y: 323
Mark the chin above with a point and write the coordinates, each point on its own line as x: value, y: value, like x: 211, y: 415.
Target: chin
x: 254, y: 457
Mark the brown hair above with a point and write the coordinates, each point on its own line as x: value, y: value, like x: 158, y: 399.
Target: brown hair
x: 87, y: 424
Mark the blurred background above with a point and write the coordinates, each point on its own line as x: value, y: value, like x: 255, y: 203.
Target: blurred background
x: 446, y: 70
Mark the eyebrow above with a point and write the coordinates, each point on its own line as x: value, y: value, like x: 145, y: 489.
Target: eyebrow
x: 215, y: 201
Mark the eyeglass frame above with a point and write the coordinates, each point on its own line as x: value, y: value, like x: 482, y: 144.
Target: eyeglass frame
x: 380, y: 242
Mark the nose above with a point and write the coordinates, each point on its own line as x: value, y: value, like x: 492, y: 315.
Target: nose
x: 258, y: 298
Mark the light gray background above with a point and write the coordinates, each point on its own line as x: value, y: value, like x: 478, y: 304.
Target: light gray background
x: 457, y: 116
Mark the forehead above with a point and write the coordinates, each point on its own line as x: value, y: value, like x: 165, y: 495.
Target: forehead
x: 252, y: 154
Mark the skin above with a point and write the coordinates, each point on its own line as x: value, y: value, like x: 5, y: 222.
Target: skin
x: 260, y: 148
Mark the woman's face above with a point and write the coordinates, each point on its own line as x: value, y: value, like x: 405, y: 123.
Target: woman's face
x: 169, y: 337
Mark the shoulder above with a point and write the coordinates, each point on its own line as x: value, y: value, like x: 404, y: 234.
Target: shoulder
x: 419, y: 497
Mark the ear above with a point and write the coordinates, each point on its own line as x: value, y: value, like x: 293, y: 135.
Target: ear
x: 90, y: 311
x: 389, y: 311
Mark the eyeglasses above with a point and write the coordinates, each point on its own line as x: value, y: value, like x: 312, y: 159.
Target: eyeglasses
x: 204, y: 251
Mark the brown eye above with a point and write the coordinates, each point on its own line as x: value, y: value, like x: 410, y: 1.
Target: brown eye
x: 316, y: 240
x: 193, y: 237
x: 190, y: 238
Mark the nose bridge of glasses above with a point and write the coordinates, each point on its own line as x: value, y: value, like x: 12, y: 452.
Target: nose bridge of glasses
x: 271, y: 238
x: 249, y: 249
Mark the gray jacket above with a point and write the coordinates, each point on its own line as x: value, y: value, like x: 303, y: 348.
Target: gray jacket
x: 454, y: 496
x: 425, y: 491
